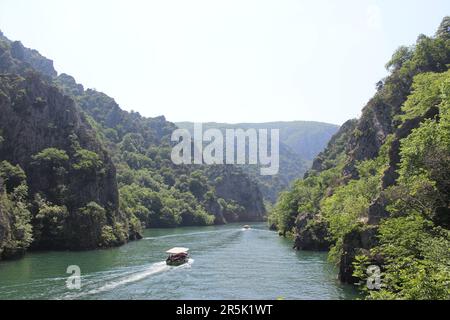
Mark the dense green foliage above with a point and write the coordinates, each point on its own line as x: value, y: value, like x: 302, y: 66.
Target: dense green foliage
x: 62, y: 165
x: 14, y: 211
x: 151, y: 188
x: 304, y: 196
x: 78, y: 172
x: 347, y: 208
x: 415, y: 242
x: 416, y: 260
x: 412, y: 241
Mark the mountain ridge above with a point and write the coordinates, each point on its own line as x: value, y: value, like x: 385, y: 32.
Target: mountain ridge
x: 326, y: 131
x: 295, y: 150
x: 83, y: 173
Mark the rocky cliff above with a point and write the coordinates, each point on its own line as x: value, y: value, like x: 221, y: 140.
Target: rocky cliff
x: 37, y: 118
x: 375, y: 172
x: 230, y: 185
x: 60, y: 146
x: 328, y: 158
x: 235, y: 186
x: 70, y: 187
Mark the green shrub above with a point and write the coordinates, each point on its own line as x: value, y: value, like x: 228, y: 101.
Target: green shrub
x: 13, y: 176
x: 50, y: 221
x: 52, y: 156
x: 86, y: 160
x: 94, y: 212
x: 108, y: 237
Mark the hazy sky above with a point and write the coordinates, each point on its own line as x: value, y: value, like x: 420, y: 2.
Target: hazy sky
x: 227, y: 61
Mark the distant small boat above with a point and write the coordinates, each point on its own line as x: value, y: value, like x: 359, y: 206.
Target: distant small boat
x: 246, y: 227
x: 177, y: 256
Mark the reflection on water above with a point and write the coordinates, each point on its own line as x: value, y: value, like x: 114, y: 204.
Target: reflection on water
x: 228, y: 262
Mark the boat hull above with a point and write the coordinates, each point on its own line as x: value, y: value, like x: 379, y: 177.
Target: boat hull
x: 176, y: 262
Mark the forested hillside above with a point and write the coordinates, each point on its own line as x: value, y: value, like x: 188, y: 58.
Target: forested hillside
x: 304, y: 138
x: 300, y: 142
x: 78, y: 172
x: 379, y: 194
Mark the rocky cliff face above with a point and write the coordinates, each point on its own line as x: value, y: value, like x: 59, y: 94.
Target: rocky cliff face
x: 68, y: 171
x: 33, y: 58
x: 16, y: 59
x: 336, y: 146
x: 5, y: 227
x: 378, y: 119
x: 140, y: 147
x: 311, y: 233
x: 375, y: 124
x: 36, y: 116
x: 232, y: 184
x: 356, y: 243
x: 380, y: 126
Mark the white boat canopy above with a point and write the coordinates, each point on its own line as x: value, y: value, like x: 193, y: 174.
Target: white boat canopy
x: 177, y: 250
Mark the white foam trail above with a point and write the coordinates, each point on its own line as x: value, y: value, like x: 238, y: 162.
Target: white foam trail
x: 154, y: 269
x: 137, y: 276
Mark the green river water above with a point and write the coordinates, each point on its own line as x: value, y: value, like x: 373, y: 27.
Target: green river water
x: 227, y: 262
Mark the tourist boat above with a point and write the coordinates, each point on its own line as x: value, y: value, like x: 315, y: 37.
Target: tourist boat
x: 246, y: 227
x: 177, y: 256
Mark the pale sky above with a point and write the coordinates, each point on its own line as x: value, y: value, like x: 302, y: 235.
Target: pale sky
x: 225, y: 61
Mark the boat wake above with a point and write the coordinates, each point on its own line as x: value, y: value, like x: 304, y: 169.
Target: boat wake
x: 131, y: 277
